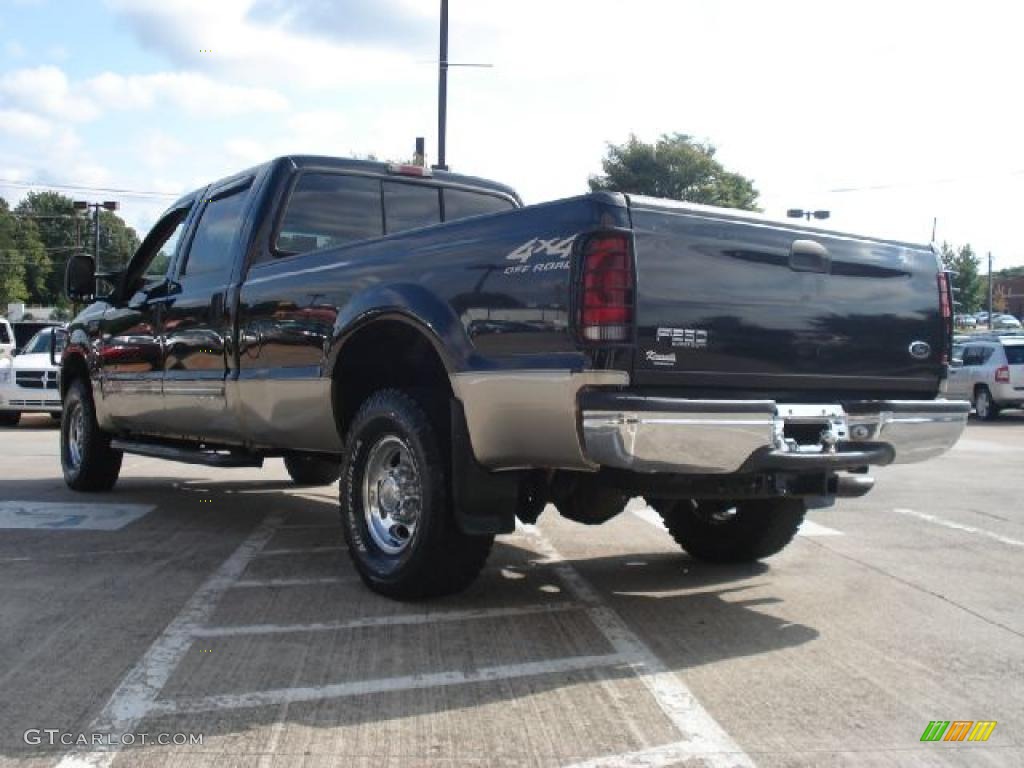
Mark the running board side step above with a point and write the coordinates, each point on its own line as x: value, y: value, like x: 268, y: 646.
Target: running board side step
x: 188, y: 454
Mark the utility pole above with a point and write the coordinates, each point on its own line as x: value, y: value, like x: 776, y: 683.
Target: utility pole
x: 442, y: 90
x: 990, y: 290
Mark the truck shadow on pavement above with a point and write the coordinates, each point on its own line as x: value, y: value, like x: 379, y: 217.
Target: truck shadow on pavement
x: 689, y: 614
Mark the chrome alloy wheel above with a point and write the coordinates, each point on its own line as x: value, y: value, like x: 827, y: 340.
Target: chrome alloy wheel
x: 75, y: 435
x: 392, y: 494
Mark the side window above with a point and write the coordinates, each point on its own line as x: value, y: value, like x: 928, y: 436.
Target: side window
x: 164, y: 251
x: 407, y: 206
x: 1014, y: 354
x: 972, y: 356
x: 986, y: 353
x: 328, y: 209
x: 210, y: 252
x: 461, y: 204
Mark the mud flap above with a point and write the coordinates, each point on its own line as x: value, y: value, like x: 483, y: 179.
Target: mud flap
x: 484, y: 502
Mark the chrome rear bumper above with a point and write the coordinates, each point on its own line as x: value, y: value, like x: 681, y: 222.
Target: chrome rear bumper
x: 650, y: 434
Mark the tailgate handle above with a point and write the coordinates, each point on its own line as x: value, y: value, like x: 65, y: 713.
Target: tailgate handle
x: 809, y: 256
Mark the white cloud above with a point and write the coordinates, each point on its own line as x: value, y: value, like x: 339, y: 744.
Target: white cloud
x: 24, y: 125
x: 192, y: 92
x: 224, y: 38
x: 47, y: 90
x: 158, y: 150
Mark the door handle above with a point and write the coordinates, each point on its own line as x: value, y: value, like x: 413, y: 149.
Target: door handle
x: 809, y: 256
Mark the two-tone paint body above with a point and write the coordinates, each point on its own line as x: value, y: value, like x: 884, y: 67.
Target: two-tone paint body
x: 729, y: 306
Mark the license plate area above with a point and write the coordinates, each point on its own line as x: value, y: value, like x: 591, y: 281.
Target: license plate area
x: 810, y: 428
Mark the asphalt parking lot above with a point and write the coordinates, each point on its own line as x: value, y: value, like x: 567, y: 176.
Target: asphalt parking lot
x: 221, y: 603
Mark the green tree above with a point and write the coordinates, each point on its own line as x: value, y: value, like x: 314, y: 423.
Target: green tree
x: 967, y: 281
x: 676, y: 167
x: 63, y: 231
x: 118, y: 242
x: 38, y: 266
x: 12, y: 264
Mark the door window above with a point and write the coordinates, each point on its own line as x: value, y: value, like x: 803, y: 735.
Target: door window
x: 327, y: 210
x: 211, y: 250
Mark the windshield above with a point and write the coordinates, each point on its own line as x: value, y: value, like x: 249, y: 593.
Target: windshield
x: 40, y: 343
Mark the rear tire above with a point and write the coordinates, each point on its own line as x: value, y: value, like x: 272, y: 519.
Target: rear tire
x: 306, y: 469
x: 720, y: 532
x: 984, y: 406
x: 88, y: 461
x: 9, y: 418
x: 398, y: 522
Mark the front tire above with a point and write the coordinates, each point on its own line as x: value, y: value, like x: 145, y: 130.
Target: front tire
x: 9, y: 418
x: 723, y: 532
x: 397, y: 518
x: 88, y: 461
x: 984, y: 406
x: 305, y: 469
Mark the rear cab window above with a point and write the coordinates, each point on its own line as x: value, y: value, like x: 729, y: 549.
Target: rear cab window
x: 463, y: 203
x: 409, y: 206
x: 326, y: 210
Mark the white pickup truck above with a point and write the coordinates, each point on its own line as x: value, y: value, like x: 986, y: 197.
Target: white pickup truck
x: 28, y: 381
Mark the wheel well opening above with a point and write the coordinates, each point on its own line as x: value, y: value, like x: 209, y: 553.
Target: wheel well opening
x: 72, y: 368
x: 390, y: 354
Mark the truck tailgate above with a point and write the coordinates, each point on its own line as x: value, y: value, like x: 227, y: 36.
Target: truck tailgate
x: 734, y: 302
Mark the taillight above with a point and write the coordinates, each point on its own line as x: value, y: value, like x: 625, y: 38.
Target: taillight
x: 607, y: 289
x: 1003, y: 374
x: 946, y: 310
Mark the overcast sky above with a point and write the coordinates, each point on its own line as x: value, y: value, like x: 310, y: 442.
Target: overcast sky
x: 914, y: 106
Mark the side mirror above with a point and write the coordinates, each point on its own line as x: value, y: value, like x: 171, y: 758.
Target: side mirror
x: 58, y: 340
x: 80, y: 278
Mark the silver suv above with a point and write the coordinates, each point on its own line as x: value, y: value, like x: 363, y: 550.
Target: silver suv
x: 990, y: 373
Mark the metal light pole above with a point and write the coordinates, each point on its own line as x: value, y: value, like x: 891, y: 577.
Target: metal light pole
x: 442, y: 90
x: 108, y: 205
x: 800, y: 213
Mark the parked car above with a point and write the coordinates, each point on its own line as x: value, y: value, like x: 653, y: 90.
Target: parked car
x: 981, y: 317
x: 728, y: 367
x: 965, y: 321
x: 1005, y: 322
x: 7, y: 342
x: 990, y: 373
x: 28, y: 380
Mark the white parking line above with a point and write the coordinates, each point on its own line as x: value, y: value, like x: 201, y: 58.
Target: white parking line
x: 300, y: 551
x: 674, y: 754
x: 134, y: 697
x: 807, y: 528
x: 810, y: 528
x: 385, y: 685
x: 703, y: 737
x: 401, y: 619
x: 960, y: 527
x: 264, y: 583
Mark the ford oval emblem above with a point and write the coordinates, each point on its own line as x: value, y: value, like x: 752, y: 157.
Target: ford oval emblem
x: 920, y: 350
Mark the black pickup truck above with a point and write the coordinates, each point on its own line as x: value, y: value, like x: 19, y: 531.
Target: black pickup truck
x: 460, y: 360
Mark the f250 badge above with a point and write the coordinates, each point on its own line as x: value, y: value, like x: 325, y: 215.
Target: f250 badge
x: 686, y: 338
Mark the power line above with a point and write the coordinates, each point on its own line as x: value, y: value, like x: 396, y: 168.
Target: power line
x: 81, y: 188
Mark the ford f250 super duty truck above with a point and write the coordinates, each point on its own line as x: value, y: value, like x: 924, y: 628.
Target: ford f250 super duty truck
x: 459, y: 360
